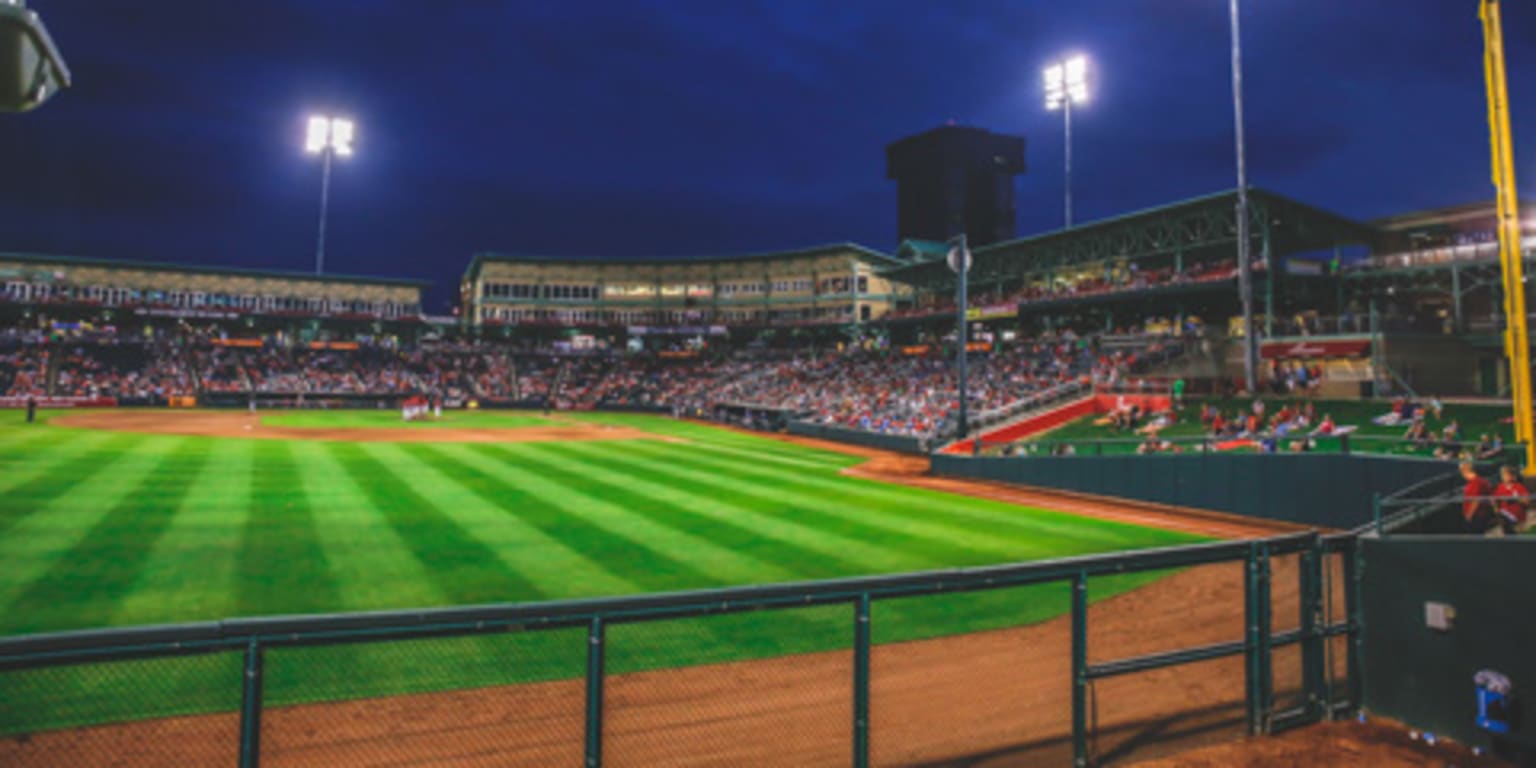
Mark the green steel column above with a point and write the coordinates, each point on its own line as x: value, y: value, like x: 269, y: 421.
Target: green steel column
x: 595, y: 655
x: 250, y: 707
x: 1456, y: 297
x: 1080, y: 670
x: 1270, y: 275
x: 861, y: 681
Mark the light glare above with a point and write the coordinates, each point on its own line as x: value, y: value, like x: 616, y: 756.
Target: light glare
x: 315, y: 140
x: 1066, y: 82
x: 335, y: 134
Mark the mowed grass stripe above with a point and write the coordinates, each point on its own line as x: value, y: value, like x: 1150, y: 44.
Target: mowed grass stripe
x: 85, y: 583
x: 464, y: 569
x: 281, y: 565
x: 718, y: 436
x: 578, y: 474
x: 25, y: 443
x: 564, y: 514
x: 372, y: 566
x: 930, y: 531
x: 190, y: 573
x: 635, y: 548
x: 951, y: 509
x: 553, y: 568
x: 733, y: 527
x: 44, y: 523
x: 744, y: 518
x: 65, y: 473
x: 758, y: 452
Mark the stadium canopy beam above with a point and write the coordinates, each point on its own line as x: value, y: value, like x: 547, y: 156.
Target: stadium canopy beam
x: 1180, y: 229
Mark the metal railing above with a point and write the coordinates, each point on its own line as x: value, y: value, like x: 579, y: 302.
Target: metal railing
x: 253, y: 638
x: 1433, y: 505
x: 1345, y: 444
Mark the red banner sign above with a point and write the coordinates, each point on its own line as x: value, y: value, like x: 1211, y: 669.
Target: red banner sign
x: 1270, y: 350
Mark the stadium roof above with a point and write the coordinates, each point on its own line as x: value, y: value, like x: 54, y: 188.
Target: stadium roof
x: 162, y: 266
x: 882, y: 259
x: 1203, y: 222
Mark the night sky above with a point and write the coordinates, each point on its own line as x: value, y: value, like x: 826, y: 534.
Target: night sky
x: 630, y: 129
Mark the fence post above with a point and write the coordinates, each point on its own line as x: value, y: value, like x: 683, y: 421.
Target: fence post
x: 1266, y: 700
x: 595, y: 656
x: 1251, y: 670
x: 861, y: 641
x: 250, y: 707
x: 1310, y: 586
x: 1354, y: 565
x: 1080, y: 670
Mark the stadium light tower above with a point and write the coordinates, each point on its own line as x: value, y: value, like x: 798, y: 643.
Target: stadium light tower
x: 1066, y: 83
x: 327, y: 137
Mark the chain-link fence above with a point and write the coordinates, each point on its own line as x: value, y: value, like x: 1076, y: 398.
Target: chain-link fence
x: 1096, y: 659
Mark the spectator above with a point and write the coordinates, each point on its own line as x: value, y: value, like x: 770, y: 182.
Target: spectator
x: 1513, y: 501
x: 1476, y: 504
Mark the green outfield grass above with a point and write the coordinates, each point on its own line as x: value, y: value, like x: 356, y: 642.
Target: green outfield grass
x: 1475, y: 420
x: 105, y: 529
x: 391, y: 418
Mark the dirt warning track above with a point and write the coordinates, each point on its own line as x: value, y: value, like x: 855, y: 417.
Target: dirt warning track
x: 249, y: 426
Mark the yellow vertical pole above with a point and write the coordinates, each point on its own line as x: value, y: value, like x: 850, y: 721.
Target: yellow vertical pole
x: 1517, y: 345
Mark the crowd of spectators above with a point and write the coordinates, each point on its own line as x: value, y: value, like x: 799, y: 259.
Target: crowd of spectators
x: 23, y: 370
x: 867, y: 386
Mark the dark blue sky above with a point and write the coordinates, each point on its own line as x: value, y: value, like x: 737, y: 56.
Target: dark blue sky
x: 678, y: 128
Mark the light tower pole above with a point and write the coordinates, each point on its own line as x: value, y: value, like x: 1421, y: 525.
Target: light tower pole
x: 959, y: 259
x: 327, y: 137
x: 1244, y: 265
x: 1066, y: 83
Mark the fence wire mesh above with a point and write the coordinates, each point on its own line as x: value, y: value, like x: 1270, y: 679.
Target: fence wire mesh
x: 505, y: 699
x: 1144, y: 714
x: 1001, y: 692
x: 174, y: 711
x: 972, y: 677
x: 769, y: 687
x: 1152, y: 714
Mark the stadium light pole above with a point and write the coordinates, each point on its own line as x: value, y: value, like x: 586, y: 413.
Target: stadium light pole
x: 327, y: 137
x: 1066, y: 83
x: 1244, y: 267
x: 959, y: 260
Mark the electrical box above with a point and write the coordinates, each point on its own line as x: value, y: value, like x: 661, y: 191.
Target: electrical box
x: 1439, y: 616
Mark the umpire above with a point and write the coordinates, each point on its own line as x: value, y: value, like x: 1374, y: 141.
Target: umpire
x: 31, y: 408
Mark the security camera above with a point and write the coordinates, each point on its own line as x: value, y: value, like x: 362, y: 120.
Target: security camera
x: 31, y: 68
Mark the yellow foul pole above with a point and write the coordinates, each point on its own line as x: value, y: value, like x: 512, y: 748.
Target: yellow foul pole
x: 1517, y: 345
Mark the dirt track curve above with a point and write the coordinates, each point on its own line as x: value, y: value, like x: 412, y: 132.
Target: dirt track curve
x: 989, y: 698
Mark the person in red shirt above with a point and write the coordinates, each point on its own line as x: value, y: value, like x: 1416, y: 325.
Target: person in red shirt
x: 1513, y: 502
x: 1476, y: 509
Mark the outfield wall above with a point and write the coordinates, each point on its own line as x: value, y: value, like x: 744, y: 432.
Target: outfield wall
x: 899, y: 443
x: 1327, y: 490
x: 1423, y: 676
